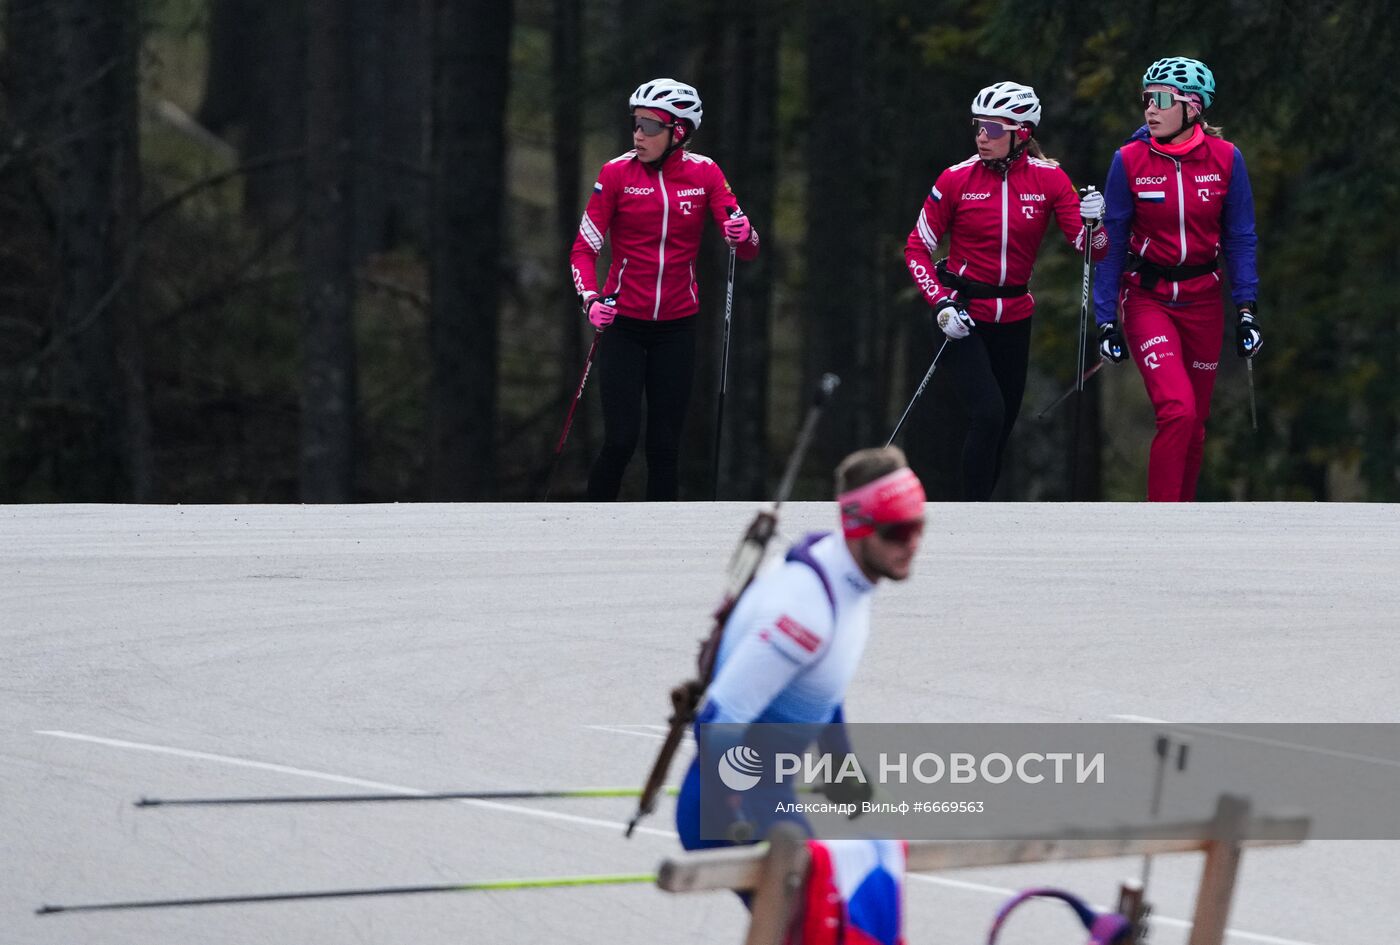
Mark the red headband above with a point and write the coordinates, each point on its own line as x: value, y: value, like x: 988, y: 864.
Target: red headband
x: 895, y: 497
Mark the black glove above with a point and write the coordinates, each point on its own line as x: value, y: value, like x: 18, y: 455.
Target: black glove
x: 1111, y: 344
x: 1248, y: 339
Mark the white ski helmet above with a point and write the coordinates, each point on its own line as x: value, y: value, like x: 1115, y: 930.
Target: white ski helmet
x: 1009, y: 100
x: 670, y: 96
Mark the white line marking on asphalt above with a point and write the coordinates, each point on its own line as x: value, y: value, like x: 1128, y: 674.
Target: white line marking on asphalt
x: 618, y: 730
x: 531, y: 812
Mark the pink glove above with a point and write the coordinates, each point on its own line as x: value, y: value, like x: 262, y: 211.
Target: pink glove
x: 737, y: 230
x: 600, y: 313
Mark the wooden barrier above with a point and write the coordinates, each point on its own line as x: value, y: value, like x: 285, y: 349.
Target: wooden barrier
x: 775, y: 870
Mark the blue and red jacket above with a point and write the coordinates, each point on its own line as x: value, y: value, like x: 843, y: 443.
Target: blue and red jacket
x: 1176, y: 210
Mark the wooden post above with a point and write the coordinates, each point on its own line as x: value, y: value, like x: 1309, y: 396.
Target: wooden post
x: 784, y: 869
x: 1133, y: 907
x: 1221, y: 868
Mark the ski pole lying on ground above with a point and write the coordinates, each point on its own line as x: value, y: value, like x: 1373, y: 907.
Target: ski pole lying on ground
x: 361, y: 798
x: 922, y: 384
x: 554, y: 882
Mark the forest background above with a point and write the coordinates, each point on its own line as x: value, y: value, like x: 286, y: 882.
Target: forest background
x: 316, y: 250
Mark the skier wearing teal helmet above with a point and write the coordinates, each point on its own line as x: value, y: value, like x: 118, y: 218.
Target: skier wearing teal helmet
x: 1191, y: 76
x: 1179, y: 216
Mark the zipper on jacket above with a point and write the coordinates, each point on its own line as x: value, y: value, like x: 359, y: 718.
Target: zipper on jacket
x: 1180, y: 211
x: 661, y: 250
x: 1001, y: 280
x: 1181, y: 217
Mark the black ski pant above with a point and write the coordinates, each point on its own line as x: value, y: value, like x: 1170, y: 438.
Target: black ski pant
x: 638, y: 359
x: 988, y: 370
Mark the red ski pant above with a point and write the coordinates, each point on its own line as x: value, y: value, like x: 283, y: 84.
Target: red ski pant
x: 1176, y: 346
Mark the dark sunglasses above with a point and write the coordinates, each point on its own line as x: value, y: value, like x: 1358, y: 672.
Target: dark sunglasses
x: 1163, y: 100
x: 900, y: 533
x: 649, y: 126
x: 994, y: 130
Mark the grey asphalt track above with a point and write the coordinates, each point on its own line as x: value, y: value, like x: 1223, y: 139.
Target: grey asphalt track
x: 185, y: 651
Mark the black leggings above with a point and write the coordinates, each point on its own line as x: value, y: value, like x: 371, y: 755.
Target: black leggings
x: 988, y: 369
x: 658, y: 359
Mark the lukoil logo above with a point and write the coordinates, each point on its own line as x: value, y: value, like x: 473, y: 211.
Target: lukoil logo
x: 739, y: 768
x: 1155, y: 340
x: 1207, y: 178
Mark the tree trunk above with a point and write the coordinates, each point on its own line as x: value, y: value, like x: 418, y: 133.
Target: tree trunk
x: 407, y: 95
x: 838, y: 331
x: 328, y: 371
x: 567, y: 83
x: 102, y: 450
x: 746, y: 109
x: 275, y: 71
x: 368, y: 79
x: 471, y: 80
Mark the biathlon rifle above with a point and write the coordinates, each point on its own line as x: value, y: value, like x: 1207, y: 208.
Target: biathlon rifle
x: 743, y: 564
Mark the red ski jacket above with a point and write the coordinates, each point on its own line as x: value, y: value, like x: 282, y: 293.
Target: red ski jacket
x: 994, y: 223
x: 654, y: 218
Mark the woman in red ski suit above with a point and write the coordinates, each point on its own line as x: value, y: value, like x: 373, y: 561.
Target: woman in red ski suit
x: 652, y: 203
x: 1178, y: 199
x: 994, y: 209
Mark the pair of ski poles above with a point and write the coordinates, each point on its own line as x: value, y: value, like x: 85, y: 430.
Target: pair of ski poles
x: 1082, y: 375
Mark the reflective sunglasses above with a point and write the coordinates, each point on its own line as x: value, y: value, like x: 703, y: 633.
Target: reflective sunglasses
x: 994, y: 130
x: 1163, y: 100
x: 649, y: 126
x: 900, y: 533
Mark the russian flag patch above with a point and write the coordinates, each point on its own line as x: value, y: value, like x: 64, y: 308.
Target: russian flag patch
x: 598, y: 187
x: 935, y: 194
x: 799, y: 634
x: 1152, y: 196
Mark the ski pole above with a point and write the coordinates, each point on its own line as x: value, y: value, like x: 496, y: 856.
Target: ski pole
x: 480, y: 886
x: 1083, y: 337
x: 1076, y: 386
x: 724, y: 356
x: 1249, y: 374
x: 573, y: 405
x: 368, y: 798
x: 922, y: 384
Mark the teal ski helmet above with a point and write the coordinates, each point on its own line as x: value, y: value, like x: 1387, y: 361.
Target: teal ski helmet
x: 1188, y: 75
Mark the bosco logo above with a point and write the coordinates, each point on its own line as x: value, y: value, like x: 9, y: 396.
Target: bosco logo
x: 1151, y: 180
x: 639, y: 191
x: 971, y: 196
